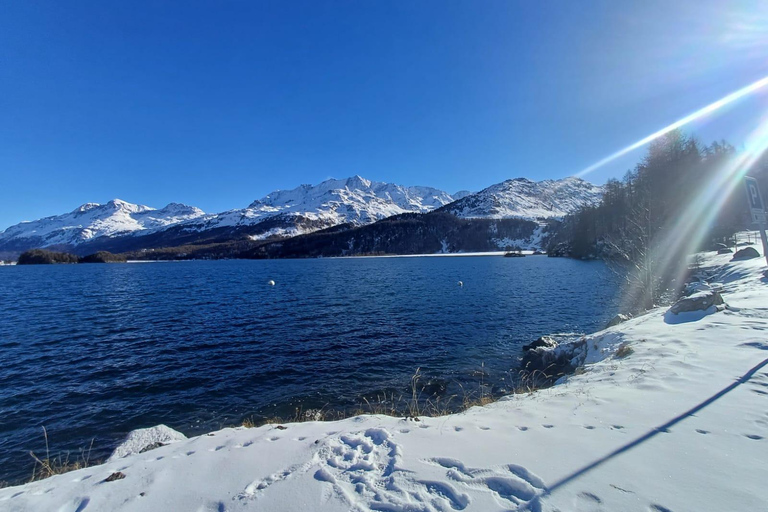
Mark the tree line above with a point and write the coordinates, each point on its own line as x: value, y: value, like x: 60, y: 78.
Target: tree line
x: 637, y: 224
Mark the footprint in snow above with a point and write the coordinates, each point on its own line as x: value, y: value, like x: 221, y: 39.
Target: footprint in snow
x: 484, y: 428
x: 548, y: 426
x: 700, y: 431
x: 458, y: 429
x: 522, y: 429
x: 513, y: 483
x: 590, y: 497
x: 273, y: 438
x: 76, y: 505
x: 753, y: 436
x: 659, y: 508
x: 589, y: 427
x: 617, y: 427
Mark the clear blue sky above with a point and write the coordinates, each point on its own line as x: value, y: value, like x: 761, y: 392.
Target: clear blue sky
x: 215, y: 104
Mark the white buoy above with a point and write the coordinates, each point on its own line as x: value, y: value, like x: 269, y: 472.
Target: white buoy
x: 271, y: 283
x: 461, y: 283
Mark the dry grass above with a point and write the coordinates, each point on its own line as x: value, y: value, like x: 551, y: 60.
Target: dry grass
x: 47, y: 467
x: 414, y: 404
x: 623, y: 351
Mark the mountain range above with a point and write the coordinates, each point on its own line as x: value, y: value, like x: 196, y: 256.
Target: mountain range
x: 119, y: 226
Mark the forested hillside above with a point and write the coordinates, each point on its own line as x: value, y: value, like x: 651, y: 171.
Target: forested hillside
x: 638, y: 222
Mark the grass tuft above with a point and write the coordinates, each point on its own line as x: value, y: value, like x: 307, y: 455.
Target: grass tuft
x: 47, y: 467
x: 624, y: 350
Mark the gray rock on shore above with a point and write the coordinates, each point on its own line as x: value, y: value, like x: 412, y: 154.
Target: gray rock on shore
x: 699, y: 301
x: 746, y: 253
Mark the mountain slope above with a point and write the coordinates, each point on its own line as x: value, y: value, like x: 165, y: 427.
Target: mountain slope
x: 521, y: 197
x: 91, y: 221
x: 307, y: 208
x: 408, y: 233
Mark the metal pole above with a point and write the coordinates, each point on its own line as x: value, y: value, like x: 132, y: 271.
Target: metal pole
x: 765, y: 242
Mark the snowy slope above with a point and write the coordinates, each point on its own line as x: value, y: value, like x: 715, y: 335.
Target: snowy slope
x: 680, y: 424
x: 354, y: 200
x: 524, y: 198
x: 93, y: 220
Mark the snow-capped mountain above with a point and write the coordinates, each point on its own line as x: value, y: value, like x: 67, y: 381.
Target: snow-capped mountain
x: 523, y: 198
x: 118, y: 226
x: 93, y: 220
x: 306, y: 208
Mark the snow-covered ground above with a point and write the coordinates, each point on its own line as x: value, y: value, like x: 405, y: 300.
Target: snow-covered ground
x: 680, y: 424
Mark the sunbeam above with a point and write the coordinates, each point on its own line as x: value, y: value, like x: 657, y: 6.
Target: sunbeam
x: 692, y: 226
x: 679, y: 123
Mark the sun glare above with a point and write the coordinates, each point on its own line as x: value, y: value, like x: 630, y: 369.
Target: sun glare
x: 679, y: 123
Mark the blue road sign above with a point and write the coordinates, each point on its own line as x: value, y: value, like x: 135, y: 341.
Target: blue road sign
x: 756, y: 205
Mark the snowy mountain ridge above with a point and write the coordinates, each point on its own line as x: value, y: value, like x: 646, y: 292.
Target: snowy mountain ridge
x: 92, y: 220
x: 355, y: 200
x: 521, y: 197
x: 304, y: 209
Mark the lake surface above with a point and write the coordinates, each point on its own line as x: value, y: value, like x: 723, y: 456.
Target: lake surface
x: 94, y: 351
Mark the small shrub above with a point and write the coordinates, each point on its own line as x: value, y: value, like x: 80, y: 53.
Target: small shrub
x: 623, y: 351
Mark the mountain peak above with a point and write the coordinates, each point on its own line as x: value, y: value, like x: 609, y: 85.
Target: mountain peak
x: 522, y: 197
x: 85, y: 207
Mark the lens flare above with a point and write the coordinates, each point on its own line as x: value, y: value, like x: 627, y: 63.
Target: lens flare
x: 691, y: 228
x: 677, y: 124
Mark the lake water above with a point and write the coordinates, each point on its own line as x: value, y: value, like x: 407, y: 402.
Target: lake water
x: 94, y: 351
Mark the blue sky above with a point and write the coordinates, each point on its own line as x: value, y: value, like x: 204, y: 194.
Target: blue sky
x: 216, y: 104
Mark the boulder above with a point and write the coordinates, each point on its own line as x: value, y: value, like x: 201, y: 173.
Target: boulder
x: 620, y: 318
x: 746, y: 253
x: 724, y: 250
x: 698, y: 301
x: 545, y: 364
x: 544, y: 341
x: 144, y: 439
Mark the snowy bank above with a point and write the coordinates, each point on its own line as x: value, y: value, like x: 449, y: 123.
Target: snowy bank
x: 679, y: 424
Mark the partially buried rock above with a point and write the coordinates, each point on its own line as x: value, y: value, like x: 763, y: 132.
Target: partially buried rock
x: 117, y: 475
x: 620, y: 318
x: 544, y: 341
x: 724, y: 250
x: 144, y: 439
x: 699, y: 301
x: 746, y: 253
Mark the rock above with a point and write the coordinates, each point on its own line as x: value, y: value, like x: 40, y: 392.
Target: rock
x: 620, y: 318
x: 151, y: 447
x: 746, y: 253
x: 724, y: 250
x: 145, y: 439
x: 545, y: 364
x: 718, y: 246
x: 544, y: 341
x: 117, y: 475
x: 699, y: 301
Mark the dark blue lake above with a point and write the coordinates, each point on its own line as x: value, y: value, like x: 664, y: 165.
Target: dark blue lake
x: 94, y: 351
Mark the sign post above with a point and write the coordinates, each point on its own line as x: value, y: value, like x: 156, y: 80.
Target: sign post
x: 757, y: 210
